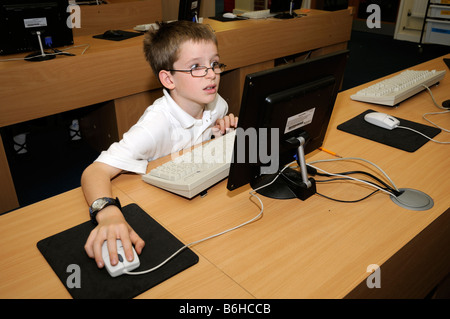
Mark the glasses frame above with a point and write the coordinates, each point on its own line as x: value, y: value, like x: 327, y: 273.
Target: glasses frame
x: 213, y: 65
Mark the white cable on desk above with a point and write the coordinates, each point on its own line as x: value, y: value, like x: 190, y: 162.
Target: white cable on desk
x: 435, y: 113
x: 353, y: 158
x: 352, y: 178
x: 408, y: 128
x: 252, y: 193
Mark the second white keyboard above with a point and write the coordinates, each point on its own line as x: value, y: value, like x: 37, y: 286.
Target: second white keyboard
x: 193, y: 172
x: 398, y: 88
x: 258, y: 14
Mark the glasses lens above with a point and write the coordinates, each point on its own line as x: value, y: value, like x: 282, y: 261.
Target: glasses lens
x: 218, y: 68
x: 199, y: 71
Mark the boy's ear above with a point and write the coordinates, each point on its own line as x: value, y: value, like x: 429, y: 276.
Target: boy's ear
x: 166, y: 79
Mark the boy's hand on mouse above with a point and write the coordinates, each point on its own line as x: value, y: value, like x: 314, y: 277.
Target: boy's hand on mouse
x: 112, y: 226
x: 223, y: 125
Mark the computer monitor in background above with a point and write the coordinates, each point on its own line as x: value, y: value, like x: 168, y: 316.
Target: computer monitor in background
x: 189, y: 10
x: 284, y: 9
x: 333, y: 5
x: 24, y: 24
x: 284, y: 115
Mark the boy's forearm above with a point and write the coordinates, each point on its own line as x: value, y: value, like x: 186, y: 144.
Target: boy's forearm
x: 96, y: 181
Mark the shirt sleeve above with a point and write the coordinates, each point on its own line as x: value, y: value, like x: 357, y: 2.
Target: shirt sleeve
x: 143, y: 142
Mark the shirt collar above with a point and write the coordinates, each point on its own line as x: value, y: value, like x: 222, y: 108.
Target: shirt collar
x: 184, y: 118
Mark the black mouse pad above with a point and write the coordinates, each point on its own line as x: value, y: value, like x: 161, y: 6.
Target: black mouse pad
x: 403, y: 139
x: 123, y: 35
x: 79, y: 274
x: 222, y: 19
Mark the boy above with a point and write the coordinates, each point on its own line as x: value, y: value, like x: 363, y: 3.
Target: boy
x: 184, y: 57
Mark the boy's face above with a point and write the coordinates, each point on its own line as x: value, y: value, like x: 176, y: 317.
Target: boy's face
x: 193, y: 93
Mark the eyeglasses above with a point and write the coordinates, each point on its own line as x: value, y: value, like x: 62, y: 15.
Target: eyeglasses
x: 201, y: 71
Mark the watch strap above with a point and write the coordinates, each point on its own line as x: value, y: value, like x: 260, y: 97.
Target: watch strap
x: 106, y: 201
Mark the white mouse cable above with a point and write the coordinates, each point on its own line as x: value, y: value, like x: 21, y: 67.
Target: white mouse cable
x: 435, y: 113
x: 358, y: 159
x: 424, y: 117
x: 352, y: 178
x: 408, y: 128
x: 252, y: 193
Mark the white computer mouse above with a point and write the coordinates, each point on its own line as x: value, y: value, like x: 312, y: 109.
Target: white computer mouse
x: 123, y: 264
x: 382, y: 120
x: 229, y: 15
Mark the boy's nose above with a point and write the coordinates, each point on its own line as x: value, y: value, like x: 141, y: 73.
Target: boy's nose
x: 210, y: 73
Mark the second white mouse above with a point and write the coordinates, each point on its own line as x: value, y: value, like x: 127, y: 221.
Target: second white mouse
x: 229, y: 15
x: 382, y: 120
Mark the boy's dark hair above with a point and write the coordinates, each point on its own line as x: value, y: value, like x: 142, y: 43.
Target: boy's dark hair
x: 161, y: 46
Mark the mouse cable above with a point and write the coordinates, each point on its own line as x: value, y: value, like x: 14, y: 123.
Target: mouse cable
x: 312, y: 171
x: 359, y: 159
x: 408, y: 128
x: 356, y: 179
x: 334, y: 199
x: 252, y: 193
x: 388, y: 189
x: 348, y: 201
x: 435, y: 113
x: 386, y: 186
x: 346, y: 178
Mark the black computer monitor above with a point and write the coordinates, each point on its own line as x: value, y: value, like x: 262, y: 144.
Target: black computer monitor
x: 21, y: 22
x: 189, y: 10
x: 284, y: 115
x: 284, y: 9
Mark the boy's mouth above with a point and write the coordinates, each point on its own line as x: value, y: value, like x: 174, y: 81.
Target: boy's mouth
x: 210, y: 88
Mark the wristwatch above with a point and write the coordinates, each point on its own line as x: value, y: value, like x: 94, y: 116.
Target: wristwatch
x: 101, y: 203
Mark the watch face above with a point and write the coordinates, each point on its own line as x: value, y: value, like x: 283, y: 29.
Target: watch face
x: 99, y: 204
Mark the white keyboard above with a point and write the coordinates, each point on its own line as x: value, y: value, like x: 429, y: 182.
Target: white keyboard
x: 193, y: 172
x: 259, y: 14
x: 398, y: 88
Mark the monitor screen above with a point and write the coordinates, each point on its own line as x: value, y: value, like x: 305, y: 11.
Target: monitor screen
x: 189, y: 10
x: 280, y: 106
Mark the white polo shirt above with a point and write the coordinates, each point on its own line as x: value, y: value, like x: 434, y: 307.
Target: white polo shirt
x: 164, y: 128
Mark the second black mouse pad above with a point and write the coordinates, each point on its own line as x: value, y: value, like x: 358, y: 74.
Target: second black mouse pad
x: 403, y: 139
x: 120, y: 35
x: 79, y: 274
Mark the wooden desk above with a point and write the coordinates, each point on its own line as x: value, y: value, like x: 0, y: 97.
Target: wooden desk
x: 320, y: 248
x: 26, y: 276
x: 312, y: 249
x: 117, y: 72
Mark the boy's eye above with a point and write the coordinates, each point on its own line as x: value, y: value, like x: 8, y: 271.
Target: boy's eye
x: 214, y: 65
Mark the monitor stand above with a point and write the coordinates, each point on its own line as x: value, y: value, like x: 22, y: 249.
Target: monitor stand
x: 285, y: 15
x: 291, y: 183
x: 39, y: 56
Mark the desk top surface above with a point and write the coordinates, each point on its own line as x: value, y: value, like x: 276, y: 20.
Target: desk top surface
x: 312, y: 249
